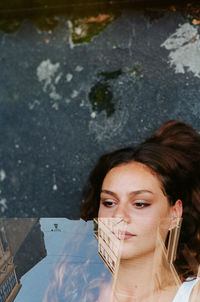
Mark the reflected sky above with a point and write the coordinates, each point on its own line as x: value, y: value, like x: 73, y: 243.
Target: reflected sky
x: 71, y: 245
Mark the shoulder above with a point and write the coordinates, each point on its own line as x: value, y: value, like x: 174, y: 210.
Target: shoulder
x: 195, y: 295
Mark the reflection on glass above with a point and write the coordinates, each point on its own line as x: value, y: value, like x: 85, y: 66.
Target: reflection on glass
x: 16, y: 256
x: 134, y: 277
x: 58, y: 260
x: 110, y: 234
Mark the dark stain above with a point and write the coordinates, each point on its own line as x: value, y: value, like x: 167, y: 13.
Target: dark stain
x: 42, y: 14
x: 44, y: 23
x: 154, y: 13
x: 111, y: 75
x: 10, y: 26
x: 101, y: 98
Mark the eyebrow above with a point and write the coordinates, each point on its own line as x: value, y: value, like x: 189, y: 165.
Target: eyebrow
x: 137, y: 192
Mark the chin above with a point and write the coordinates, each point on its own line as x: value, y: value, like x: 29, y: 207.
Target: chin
x: 127, y: 255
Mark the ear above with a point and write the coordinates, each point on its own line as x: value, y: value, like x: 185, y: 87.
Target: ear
x: 177, y: 209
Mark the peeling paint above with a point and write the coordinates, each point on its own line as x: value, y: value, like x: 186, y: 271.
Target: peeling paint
x: 33, y: 105
x: 55, y: 187
x: 55, y: 106
x: 184, y: 47
x: 83, y: 103
x: 45, y: 71
x: 47, y: 74
x: 93, y: 114
x: 74, y: 94
x: 2, y: 175
x: 3, y: 205
x: 69, y: 77
x: 79, y: 68
x: 57, y: 79
x: 67, y: 101
x: 54, y: 95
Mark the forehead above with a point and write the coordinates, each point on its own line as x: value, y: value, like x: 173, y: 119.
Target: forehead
x: 133, y: 175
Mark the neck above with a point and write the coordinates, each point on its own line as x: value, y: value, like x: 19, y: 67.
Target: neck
x: 136, y: 280
x: 135, y: 277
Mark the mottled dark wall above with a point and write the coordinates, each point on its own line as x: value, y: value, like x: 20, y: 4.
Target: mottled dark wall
x: 72, y: 88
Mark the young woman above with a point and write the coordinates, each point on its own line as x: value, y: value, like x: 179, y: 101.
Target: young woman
x: 150, y: 187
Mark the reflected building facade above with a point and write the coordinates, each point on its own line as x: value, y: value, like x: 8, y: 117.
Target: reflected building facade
x: 19, y: 238
x: 9, y: 285
x: 109, y: 236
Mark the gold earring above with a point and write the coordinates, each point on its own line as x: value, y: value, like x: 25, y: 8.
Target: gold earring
x: 174, y: 234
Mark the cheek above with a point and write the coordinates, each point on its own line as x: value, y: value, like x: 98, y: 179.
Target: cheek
x: 155, y: 228
x: 148, y: 226
x: 103, y: 213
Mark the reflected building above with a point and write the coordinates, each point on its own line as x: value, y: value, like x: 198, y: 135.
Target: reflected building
x: 9, y: 285
x: 19, y: 238
x: 109, y: 236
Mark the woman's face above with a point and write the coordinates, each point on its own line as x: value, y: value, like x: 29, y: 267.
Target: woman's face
x: 133, y: 192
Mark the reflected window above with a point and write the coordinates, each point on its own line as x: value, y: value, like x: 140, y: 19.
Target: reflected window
x: 7, y: 287
x: 3, y: 242
x: 12, y: 280
x: 2, y: 297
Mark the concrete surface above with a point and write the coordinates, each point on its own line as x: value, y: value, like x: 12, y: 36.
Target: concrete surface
x: 63, y: 103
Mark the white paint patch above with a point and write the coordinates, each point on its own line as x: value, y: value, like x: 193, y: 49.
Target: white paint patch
x: 57, y: 79
x: 45, y: 71
x: 47, y: 74
x: 74, y: 94
x: 55, y: 106
x: 93, y: 114
x: 2, y: 175
x: 33, y: 105
x: 78, y: 30
x: 3, y: 205
x: 70, y: 26
x: 184, y: 46
x: 55, y: 187
x: 69, y: 77
x: 67, y: 101
x: 54, y: 95
x: 82, y: 103
x: 79, y: 68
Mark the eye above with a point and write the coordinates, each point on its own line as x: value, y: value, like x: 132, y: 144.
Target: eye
x: 107, y: 203
x: 141, y: 204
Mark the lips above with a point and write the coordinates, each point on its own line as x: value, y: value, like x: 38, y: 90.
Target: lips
x: 123, y: 235
x: 128, y: 235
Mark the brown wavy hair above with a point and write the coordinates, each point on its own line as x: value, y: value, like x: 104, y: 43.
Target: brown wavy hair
x: 173, y: 153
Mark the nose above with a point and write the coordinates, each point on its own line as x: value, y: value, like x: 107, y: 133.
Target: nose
x: 121, y: 212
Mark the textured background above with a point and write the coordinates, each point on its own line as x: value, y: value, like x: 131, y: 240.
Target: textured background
x: 72, y: 88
